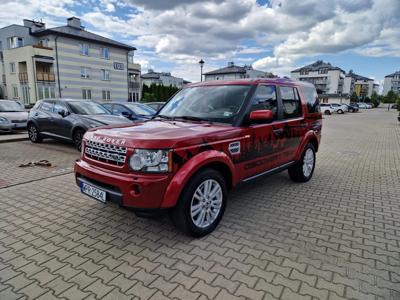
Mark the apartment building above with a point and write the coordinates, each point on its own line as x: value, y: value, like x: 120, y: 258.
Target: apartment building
x: 327, y: 79
x: 233, y: 71
x: 161, y: 78
x: 66, y: 61
x: 361, y: 85
x: 392, y: 83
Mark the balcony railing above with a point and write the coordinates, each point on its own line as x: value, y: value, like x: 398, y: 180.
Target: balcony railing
x: 133, y: 85
x: 23, y: 77
x: 41, y: 76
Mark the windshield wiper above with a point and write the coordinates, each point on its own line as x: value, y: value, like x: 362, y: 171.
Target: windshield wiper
x: 192, y: 118
x: 163, y: 117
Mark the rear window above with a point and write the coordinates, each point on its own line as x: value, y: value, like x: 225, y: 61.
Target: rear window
x: 291, y: 102
x: 311, y: 97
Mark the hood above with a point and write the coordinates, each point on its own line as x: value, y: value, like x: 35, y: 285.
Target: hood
x: 15, y: 116
x: 163, y: 134
x: 106, y: 119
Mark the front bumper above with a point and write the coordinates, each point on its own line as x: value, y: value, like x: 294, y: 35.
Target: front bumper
x: 129, y: 190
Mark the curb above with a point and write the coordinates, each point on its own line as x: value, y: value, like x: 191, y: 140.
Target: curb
x: 14, y: 140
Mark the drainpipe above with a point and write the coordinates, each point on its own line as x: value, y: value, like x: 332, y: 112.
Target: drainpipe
x: 34, y: 80
x: 127, y: 73
x: 58, y: 69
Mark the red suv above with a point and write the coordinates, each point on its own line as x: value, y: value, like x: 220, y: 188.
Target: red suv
x: 208, y: 138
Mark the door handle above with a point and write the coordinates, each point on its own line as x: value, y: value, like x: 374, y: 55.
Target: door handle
x: 278, y: 132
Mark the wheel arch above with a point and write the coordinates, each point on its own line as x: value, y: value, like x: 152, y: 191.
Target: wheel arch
x: 213, y: 159
x: 310, y: 138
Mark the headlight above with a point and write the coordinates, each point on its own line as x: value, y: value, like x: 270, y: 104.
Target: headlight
x: 3, y: 120
x: 150, y: 160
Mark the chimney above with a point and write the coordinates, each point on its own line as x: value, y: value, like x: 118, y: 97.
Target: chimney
x: 74, y: 22
x: 34, y: 25
x: 231, y: 64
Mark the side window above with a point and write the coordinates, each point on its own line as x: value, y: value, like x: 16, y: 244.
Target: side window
x: 118, y: 109
x: 311, y: 98
x: 59, y: 107
x: 265, y: 98
x: 108, y: 107
x: 47, y: 106
x: 291, y: 102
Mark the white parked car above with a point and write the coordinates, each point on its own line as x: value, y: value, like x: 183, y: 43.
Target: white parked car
x: 340, y: 108
x: 364, y: 105
x: 327, y: 109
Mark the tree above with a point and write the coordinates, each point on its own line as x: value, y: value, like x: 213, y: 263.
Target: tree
x: 375, y: 99
x: 390, y: 97
x: 354, y: 97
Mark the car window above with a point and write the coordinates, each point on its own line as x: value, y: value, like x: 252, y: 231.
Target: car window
x: 265, y: 98
x: 58, y: 107
x: 141, y: 109
x: 119, y: 109
x: 108, y: 106
x: 11, y: 106
x: 311, y: 97
x: 47, y: 106
x: 291, y: 102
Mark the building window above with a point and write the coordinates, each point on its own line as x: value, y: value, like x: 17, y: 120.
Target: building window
x: 131, y: 59
x: 323, y: 71
x: 44, y: 42
x: 105, y: 74
x: 15, y: 91
x: 85, y: 72
x: 84, y: 49
x: 15, y: 42
x: 12, y: 68
x: 303, y: 72
x: 106, y: 95
x: 105, y: 53
x: 86, y: 94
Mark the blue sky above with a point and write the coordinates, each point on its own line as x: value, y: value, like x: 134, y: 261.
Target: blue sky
x: 275, y: 35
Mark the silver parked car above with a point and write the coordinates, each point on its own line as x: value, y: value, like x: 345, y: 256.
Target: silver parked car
x: 12, y: 116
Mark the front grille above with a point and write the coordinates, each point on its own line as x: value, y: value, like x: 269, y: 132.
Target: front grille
x: 18, y: 121
x: 111, y: 154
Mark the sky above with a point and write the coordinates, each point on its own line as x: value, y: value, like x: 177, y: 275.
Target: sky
x: 271, y: 35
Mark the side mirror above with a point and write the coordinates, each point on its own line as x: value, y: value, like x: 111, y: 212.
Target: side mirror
x: 63, y: 113
x: 261, y: 116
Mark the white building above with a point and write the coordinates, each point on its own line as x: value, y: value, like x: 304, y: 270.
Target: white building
x: 327, y: 79
x: 392, y: 83
x: 361, y: 85
x: 66, y: 62
x: 161, y: 78
x: 235, y: 72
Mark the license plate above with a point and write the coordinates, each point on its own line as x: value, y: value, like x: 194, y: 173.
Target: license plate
x: 93, y: 192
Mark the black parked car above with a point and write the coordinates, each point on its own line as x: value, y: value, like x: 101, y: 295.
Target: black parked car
x: 352, y: 107
x: 132, y: 110
x: 67, y: 119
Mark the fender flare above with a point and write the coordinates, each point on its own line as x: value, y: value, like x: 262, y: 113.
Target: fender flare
x: 184, y: 174
x: 310, y: 135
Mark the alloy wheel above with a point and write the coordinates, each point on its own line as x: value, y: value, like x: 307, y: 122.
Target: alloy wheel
x: 308, y: 162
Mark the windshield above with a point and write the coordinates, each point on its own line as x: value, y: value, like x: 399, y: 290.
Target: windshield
x: 87, y: 108
x: 10, y: 106
x: 141, y: 109
x: 211, y: 103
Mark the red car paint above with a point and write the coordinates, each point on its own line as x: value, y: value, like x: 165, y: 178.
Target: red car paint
x: 194, y: 145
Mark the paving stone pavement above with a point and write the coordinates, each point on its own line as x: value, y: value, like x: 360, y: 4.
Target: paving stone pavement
x: 335, y: 237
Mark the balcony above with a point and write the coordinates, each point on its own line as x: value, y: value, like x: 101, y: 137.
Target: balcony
x: 45, y: 76
x: 133, y: 85
x: 23, y: 77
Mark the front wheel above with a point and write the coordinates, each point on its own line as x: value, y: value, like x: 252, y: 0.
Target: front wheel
x: 34, y: 134
x: 327, y: 112
x: 340, y: 111
x: 202, y: 204
x: 303, y: 169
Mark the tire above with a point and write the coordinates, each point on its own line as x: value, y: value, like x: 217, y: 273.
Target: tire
x: 34, y: 134
x: 340, y: 111
x: 327, y: 112
x: 194, y: 222
x: 77, y: 138
x: 299, y: 172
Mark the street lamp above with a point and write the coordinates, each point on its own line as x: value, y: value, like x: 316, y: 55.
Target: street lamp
x: 201, y: 62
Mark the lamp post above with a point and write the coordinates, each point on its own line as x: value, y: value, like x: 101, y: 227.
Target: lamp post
x: 201, y: 62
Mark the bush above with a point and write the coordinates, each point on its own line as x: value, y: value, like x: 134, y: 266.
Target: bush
x: 158, y: 92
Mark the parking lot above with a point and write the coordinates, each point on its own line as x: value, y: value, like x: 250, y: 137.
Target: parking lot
x: 335, y: 237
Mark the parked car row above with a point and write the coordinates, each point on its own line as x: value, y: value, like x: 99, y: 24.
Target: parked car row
x: 330, y: 108
x: 69, y: 119
x: 12, y: 116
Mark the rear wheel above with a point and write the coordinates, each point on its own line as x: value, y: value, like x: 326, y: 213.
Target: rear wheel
x: 327, y: 112
x: 34, y: 134
x: 303, y: 169
x: 77, y: 138
x: 340, y: 111
x: 202, y: 204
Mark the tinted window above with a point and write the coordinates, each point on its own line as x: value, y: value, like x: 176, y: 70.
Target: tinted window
x: 311, y: 97
x: 119, y: 109
x: 291, y: 102
x: 58, y: 107
x: 265, y: 98
x: 47, y: 106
